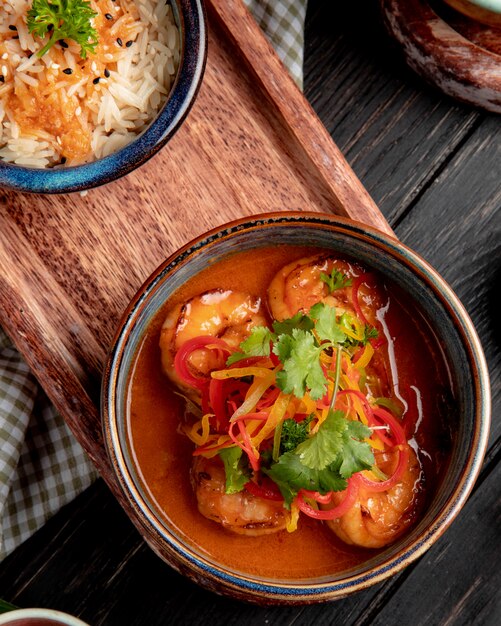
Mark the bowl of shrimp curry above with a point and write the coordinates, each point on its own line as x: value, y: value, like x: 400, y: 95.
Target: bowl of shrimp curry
x: 296, y: 406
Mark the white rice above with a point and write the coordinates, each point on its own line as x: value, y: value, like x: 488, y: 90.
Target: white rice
x: 113, y: 112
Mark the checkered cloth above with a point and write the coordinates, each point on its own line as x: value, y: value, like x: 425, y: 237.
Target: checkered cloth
x: 42, y: 467
x: 283, y: 24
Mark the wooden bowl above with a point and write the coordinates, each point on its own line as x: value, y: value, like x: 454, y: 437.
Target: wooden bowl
x: 399, y: 265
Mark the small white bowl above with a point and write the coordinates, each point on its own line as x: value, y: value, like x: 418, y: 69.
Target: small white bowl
x: 39, y: 617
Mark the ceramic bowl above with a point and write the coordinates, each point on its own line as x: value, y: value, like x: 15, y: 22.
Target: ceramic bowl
x: 39, y: 617
x: 190, y: 18
x: 395, y: 262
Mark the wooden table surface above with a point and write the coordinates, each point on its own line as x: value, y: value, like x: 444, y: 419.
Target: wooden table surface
x: 433, y: 167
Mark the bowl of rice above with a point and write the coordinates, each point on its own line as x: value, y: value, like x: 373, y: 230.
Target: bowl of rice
x: 91, y: 90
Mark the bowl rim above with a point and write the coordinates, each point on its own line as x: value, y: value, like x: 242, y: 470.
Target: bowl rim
x: 181, y: 556
x: 192, y: 18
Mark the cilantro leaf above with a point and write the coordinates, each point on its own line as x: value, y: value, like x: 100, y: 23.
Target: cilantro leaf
x: 357, y: 454
x: 324, y: 461
x: 326, y: 325
x: 291, y: 475
x: 66, y: 19
x: 340, y: 441
x: 301, y: 365
x: 285, y: 327
x: 321, y: 450
x: 258, y: 343
x: 236, y: 472
x: 336, y: 280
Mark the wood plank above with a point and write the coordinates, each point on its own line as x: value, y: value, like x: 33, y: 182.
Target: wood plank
x: 70, y: 264
x: 456, y: 226
x: 396, y: 132
x: 458, y: 576
x: 314, y: 145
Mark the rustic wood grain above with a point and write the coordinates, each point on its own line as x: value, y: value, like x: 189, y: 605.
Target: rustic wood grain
x: 314, y: 147
x: 70, y: 264
x: 90, y: 561
x: 446, y: 58
x: 458, y: 230
x: 395, y: 130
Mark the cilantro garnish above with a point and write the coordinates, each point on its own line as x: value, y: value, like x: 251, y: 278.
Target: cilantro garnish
x: 326, y: 326
x: 324, y: 461
x: 258, y: 343
x: 236, y: 471
x: 65, y: 19
x: 300, y: 320
x: 338, y: 439
x: 299, y: 342
x: 336, y: 280
x: 300, y: 355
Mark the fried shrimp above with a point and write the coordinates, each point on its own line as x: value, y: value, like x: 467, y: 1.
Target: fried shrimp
x: 300, y: 284
x: 241, y: 512
x: 378, y: 518
x: 219, y: 314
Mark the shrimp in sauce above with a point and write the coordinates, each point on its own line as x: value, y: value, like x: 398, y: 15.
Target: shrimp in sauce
x: 376, y: 518
x: 223, y: 314
x: 218, y: 321
x: 241, y: 512
x: 298, y: 286
x: 379, y: 518
x: 229, y: 316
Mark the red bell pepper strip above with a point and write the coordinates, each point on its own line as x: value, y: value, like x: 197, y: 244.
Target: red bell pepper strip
x: 181, y: 359
x: 351, y: 494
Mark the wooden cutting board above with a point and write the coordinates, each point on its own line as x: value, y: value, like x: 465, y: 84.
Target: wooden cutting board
x: 70, y: 264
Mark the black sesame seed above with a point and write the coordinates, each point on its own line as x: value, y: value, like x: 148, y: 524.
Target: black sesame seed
x: 108, y: 16
x: 68, y: 71
x: 96, y: 80
x: 63, y: 43
x: 119, y: 42
x: 129, y: 43
x: 107, y: 73
x: 12, y: 27
x: 2, y: 79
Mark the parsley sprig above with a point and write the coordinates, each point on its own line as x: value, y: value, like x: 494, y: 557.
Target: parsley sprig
x: 336, y: 280
x: 66, y: 19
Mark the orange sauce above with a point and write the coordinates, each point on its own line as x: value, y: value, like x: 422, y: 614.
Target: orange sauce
x: 164, y: 457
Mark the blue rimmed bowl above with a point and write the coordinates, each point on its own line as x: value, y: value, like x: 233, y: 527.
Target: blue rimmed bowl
x: 397, y: 264
x: 190, y: 19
